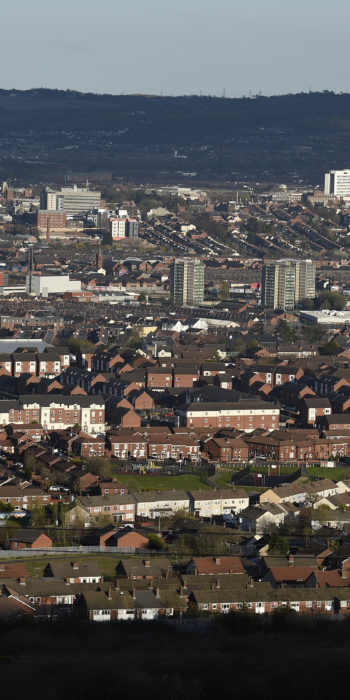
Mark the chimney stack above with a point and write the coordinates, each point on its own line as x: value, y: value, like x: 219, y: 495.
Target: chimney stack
x: 147, y: 563
x: 217, y: 583
x: 134, y: 593
x: 75, y: 565
x: 22, y: 580
x: 157, y: 592
x: 109, y: 593
x: 291, y: 558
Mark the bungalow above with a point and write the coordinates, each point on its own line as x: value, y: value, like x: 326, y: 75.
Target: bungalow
x: 215, y: 565
x: 30, y: 539
x: 146, y: 569
x: 74, y: 572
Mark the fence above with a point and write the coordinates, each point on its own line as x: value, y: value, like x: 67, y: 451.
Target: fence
x: 56, y: 551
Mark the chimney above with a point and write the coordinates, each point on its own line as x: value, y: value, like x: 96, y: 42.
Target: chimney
x: 217, y: 583
x: 75, y: 565
x: 182, y: 592
x: 217, y: 560
x: 291, y: 558
x: 116, y: 585
x: 134, y: 593
x: 212, y: 587
x: 22, y: 580
x: 157, y: 593
x: 147, y: 563
x: 109, y: 593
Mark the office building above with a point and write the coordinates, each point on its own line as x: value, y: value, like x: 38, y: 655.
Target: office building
x: 70, y: 200
x: 187, y: 281
x: 337, y: 183
x: 285, y: 283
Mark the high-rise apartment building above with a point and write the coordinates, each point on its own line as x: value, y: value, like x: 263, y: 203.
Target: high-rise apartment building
x: 285, y: 283
x: 124, y: 228
x: 337, y: 183
x: 187, y: 281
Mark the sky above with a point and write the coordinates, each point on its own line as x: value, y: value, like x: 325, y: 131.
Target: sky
x: 180, y: 47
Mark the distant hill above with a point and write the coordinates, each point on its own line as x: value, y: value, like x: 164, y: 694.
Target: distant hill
x: 283, y: 138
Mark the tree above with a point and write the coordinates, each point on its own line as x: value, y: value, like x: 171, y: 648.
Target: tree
x: 38, y: 514
x: 312, y: 334
x: 9, y: 530
x: 156, y: 542
x: 100, y: 466
x: 224, y: 292
x: 330, y: 300
x: 308, y: 304
x: 76, y: 344
x: 6, y: 507
x: 278, y: 544
x: 285, y: 332
x: 107, y: 238
x: 330, y: 348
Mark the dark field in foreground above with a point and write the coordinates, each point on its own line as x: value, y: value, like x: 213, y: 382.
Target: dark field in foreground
x: 240, y: 657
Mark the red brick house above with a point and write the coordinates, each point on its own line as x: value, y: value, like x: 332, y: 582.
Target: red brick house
x: 226, y: 450
x: 125, y: 417
x: 311, y: 410
x: 176, y: 447
x: 127, y: 444
x: 242, y: 415
x: 30, y: 539
x: 107, y: 488
x: 159, y: 378
x: 85, y: 445
x: 23, y: 497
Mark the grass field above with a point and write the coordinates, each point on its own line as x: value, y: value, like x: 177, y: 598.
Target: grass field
x: 107, y: 563
x: 334, y: 473
x: 224, y: 480
x: 187, y: 482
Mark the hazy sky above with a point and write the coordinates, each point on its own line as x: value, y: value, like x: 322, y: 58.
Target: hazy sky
x: 176, y: 47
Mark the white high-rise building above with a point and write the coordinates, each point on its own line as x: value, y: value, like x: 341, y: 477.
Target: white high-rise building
x: 187, y: 281
x: 285, y: 283
x: 337, y: 183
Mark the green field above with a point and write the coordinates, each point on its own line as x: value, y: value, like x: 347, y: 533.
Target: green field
x: 224, y: 480
x: 334, y: 473
x: 187, y: 482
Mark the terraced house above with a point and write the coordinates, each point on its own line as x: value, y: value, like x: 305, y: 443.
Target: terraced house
x: 56, y: 411
x: 242, y: 415
x: 205, y: 504
x: 153, y: 504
